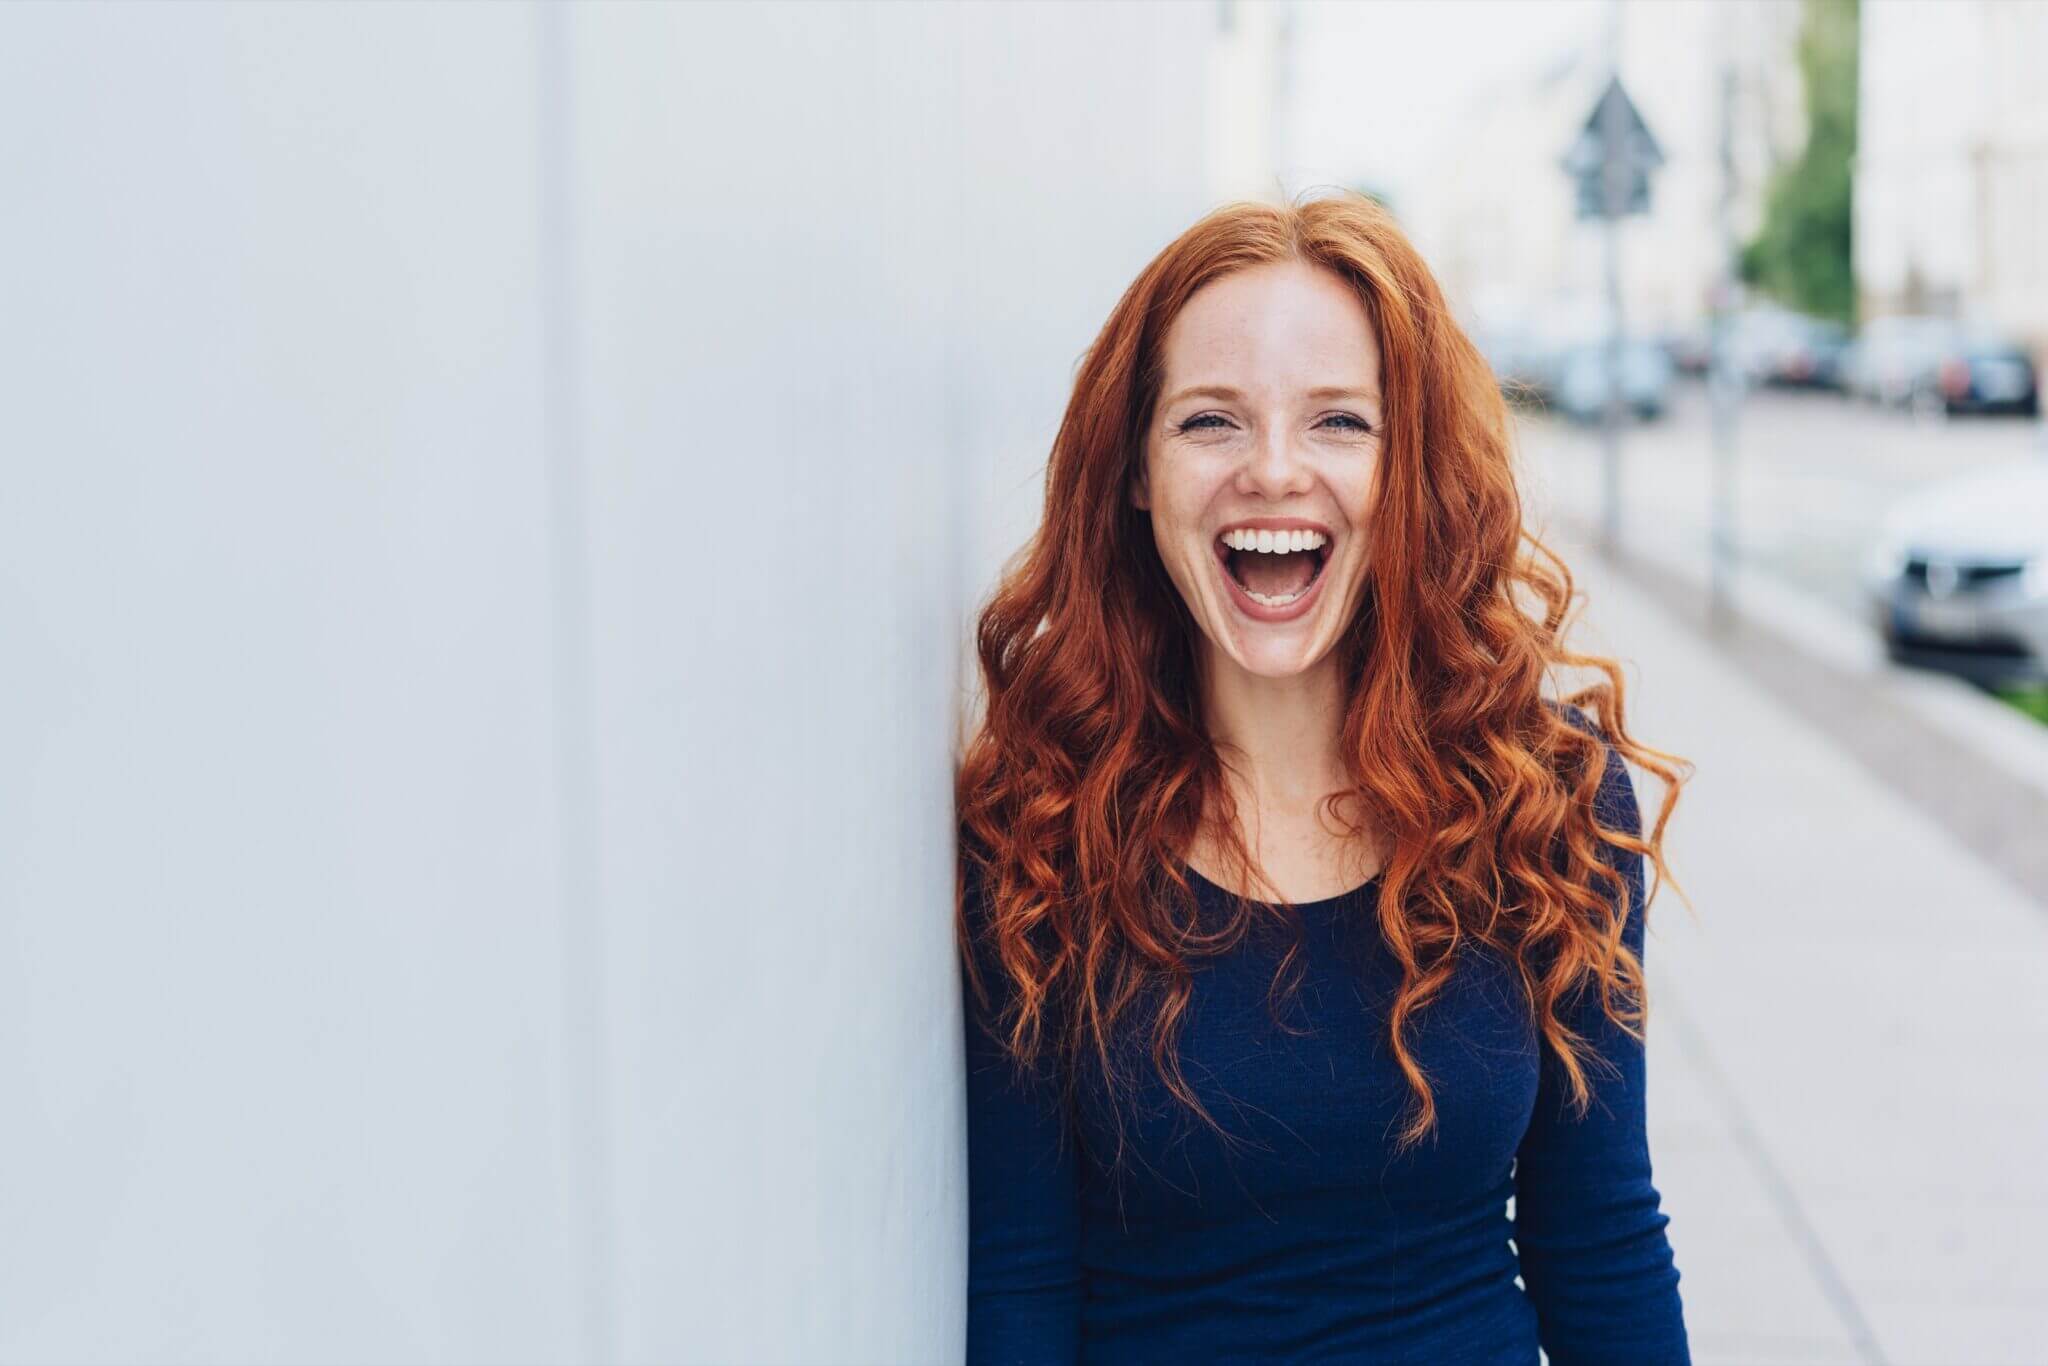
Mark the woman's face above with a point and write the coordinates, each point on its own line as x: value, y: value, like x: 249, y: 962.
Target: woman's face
x: 1266, y: 435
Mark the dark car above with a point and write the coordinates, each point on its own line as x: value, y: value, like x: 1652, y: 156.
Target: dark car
x: 1936, y: 366
x: 1982, y: 374
x: 1813, y: 360
x: 1691, y: 348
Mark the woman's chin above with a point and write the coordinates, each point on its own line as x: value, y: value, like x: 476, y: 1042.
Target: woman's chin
x: 1274, y: 651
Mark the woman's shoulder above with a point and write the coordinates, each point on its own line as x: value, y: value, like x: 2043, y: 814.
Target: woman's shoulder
x: 978, y: 864
x: 1575, y: 715
x: 973, y: 858
x: 1615, y: 801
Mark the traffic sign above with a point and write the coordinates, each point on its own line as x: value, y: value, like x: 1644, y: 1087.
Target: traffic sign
x: 1612, y: 157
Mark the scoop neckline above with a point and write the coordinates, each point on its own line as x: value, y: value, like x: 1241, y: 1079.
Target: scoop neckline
x: 1360, y: 890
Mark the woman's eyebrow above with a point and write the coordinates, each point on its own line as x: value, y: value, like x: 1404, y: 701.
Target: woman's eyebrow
x: 1206, y: 391
x: 1224, y: 391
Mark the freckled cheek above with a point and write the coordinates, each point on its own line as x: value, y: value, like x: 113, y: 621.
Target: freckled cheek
x: 1186, y: 564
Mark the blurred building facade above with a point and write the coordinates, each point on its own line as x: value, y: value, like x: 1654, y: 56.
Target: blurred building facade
x: 496, y: 495
x: 1952, y: 162
x: 1497, y: 215
x: 1249, y: 70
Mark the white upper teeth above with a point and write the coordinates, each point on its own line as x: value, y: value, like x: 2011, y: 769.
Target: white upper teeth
x: 1274, y: 542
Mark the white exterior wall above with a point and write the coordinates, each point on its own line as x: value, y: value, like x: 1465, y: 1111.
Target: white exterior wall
x: 1952, y: 162
x: 1920, y: 112
x: 494, y: 494
x: 1248, y: 65
x: 2011, y: 288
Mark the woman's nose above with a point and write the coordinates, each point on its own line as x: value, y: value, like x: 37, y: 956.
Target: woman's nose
x: 1275, y: 469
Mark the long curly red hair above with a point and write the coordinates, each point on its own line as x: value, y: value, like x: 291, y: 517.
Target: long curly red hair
x: 1082, y: 785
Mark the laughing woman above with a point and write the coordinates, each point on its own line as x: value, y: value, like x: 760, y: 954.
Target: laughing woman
x: 1302, y: 931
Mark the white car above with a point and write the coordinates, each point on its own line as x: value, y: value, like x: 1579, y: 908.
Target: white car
x: 1958, y: 579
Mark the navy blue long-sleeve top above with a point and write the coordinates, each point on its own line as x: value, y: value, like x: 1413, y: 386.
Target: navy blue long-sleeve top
x: 1312, y: 1240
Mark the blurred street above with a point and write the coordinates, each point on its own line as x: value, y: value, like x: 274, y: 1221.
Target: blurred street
x: 1814, y: 474
x: 1846, y: 1038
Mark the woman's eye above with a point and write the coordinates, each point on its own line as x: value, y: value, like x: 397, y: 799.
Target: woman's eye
x: 1210, y: 421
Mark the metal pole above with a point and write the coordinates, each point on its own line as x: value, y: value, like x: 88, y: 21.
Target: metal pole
x: 1724, y: 384
x: 1614, y: 185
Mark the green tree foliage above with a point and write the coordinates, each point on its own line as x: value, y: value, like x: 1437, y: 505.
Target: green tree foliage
x: 1801, y: 254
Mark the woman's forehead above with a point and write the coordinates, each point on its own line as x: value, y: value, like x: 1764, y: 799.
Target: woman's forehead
x: 1283, y: 320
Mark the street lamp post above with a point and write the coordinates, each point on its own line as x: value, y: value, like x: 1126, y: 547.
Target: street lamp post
x: 1611, y: 160
x: 1723, y: 381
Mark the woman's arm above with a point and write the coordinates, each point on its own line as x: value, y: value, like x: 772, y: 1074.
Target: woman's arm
x: 1595, y: 1259
x: 1023, y: 1269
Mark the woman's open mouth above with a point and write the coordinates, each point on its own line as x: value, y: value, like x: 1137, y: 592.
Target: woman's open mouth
x: 1273, y: 575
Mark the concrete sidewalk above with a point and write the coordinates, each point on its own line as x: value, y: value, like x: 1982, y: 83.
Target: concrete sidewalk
x: 1849, y: 1044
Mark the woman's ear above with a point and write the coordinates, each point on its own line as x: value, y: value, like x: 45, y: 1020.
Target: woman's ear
x: 1141, y: 497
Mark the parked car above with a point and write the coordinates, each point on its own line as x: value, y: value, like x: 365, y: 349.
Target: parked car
x: 1849, y: 366
x: 1982, y: 373
x: 1575, y: 379
x: 1516, y: 355
x: 1813, y: 360
x: 1939, y: 366
x: 1894, y: 357
x: 1958, y: 578
x: 1691, y: 348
